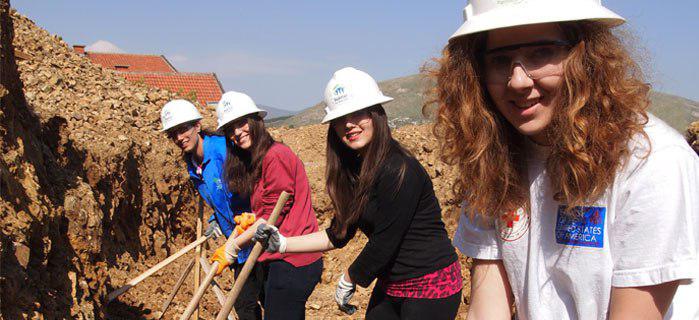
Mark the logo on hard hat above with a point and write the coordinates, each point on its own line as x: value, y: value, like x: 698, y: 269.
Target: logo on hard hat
x: 227, y: 106
x: 339, y: 94
x: 167, y: 116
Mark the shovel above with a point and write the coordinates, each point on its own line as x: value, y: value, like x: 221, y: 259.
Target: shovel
x: 250, y: 262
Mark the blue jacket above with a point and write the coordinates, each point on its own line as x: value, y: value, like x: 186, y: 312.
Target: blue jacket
x: 213, y: 188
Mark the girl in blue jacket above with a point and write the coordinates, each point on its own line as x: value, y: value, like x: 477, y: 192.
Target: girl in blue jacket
x: 205, y: 153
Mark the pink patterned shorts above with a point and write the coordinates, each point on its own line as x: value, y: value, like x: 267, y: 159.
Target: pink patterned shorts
x: 439, y: 284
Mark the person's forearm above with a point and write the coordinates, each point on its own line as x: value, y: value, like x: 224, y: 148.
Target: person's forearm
x: 651, y: 302
x: 491, y: 296
x: 313, y: 242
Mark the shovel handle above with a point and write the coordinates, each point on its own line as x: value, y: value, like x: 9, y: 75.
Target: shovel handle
x: 220, y: 295
x: 155, y: 269
x: 250, y: 262
x: 177, y: 287
x: 194, y: 303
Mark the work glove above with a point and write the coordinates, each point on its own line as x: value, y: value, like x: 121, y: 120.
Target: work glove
x: 343, y: 294
x: 225, y: 255
x: 214, y: 230
x: 243, y: 221
x: 270, y: 238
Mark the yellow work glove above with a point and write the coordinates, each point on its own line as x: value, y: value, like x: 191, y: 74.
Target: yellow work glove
x: 225, y: 255
x: 243, y: 221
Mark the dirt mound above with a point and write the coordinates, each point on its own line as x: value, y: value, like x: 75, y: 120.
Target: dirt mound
x: 90, y: 192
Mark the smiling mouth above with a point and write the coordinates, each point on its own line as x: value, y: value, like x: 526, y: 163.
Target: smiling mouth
x: 353, y: 136
x: 526, y: 104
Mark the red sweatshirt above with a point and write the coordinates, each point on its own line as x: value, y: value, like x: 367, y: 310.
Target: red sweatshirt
x: 282, y: 170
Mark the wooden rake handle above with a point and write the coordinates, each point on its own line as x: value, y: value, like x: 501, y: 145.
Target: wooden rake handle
x: 250, y: 262
x: 177, y: 287
x: 155, y: 269
x: 194, y: 303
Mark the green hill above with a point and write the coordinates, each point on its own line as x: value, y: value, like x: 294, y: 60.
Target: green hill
x: 676, y: 111
x: 409, y: 94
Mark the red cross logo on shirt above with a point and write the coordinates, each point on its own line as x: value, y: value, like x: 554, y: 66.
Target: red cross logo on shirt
x: 510, y: 218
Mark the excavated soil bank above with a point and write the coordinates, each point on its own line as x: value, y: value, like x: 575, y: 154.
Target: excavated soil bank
x: 91, y: 194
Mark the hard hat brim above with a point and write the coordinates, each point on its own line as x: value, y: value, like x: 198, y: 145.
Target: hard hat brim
x: 345, y: 110
x: 260, y: 112
x: 533, y: 14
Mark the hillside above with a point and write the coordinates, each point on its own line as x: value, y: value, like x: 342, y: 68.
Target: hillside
x: 276, y: 113
x: 409, y: 94
x: 405, y: 109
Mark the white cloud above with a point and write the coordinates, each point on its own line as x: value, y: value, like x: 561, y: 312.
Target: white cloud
x: 103, y: 46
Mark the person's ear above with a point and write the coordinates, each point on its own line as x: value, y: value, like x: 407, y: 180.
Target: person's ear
x: 198, y: 126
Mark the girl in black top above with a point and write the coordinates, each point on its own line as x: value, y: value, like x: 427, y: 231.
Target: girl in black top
x: 380, y: 188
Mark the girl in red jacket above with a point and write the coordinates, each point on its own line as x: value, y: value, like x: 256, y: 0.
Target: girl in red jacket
x: 262, y: 168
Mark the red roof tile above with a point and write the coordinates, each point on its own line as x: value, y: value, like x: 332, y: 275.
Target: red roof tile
x: 131, y: 62
x: 205, y: 86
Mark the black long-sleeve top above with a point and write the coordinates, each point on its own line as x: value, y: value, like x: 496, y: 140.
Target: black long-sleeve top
x: 407, y: 238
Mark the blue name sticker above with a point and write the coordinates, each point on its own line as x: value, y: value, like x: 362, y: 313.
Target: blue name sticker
x: 584, y: 226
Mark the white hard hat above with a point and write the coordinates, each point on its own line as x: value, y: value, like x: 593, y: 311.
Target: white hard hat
x: 234, y: 105
x: 484, y: 15
x: 177, y: 112
x: 350, y: 90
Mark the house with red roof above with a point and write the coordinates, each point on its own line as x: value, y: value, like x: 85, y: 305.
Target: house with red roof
x: 157, y: 71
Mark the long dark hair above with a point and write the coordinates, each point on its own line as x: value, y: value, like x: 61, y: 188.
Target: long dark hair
x: 350, y: 177
x: 243, y: 168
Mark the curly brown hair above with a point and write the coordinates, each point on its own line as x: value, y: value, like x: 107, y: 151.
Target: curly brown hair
x: 602, y: 105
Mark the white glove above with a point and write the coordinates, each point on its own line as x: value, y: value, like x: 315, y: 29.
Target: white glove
x: 214, y: 230
x: 343, y: 294
x: 270, y: 238
x: 231, y: 251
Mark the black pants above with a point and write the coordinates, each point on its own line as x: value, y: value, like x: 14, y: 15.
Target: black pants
x: 246, y: 305
x: 287, y: 288
x: 385, y: 307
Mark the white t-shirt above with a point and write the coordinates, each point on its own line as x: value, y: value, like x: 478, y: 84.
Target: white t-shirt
x: 643, y: 231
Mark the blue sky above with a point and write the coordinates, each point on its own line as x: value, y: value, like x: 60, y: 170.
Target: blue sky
x: 282, y: 53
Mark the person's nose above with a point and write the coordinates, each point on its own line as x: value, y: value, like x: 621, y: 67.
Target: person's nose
x: 520, y: 80
x: 181, y: 136
x: 349, y: 123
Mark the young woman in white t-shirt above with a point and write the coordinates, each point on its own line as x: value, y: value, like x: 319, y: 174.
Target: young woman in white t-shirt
x: 578, y: 203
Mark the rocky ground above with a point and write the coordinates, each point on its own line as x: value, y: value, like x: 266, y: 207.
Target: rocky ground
x: 91, y: 194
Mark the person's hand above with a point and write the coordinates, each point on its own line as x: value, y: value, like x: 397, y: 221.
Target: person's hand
x: 270, y: 238
x: 225, y: 256
x: 343, y: 294
x: 243, y: 221
x: 214, y: 230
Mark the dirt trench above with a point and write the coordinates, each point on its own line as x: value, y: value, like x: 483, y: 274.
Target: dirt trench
x: 79, y: 204
x: 91, y: 194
